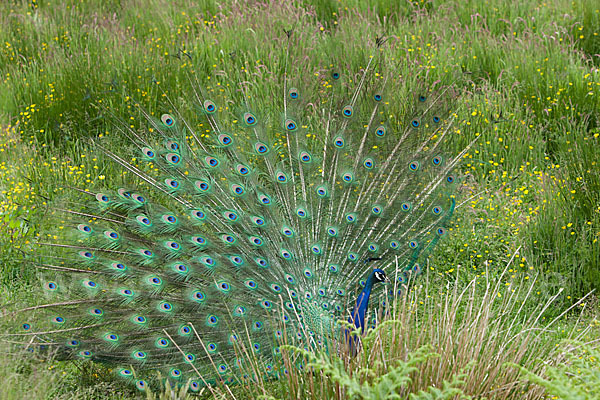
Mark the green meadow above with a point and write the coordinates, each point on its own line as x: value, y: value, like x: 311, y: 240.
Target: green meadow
x: 509, y: 305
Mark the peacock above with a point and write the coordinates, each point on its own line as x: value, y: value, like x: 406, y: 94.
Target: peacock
x: 243, y: 228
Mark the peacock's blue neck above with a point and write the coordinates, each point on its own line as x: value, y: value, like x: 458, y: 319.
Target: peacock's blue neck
x: 357, y: 317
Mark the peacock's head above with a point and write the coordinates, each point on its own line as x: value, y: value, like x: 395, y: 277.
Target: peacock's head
x: 379, y: 275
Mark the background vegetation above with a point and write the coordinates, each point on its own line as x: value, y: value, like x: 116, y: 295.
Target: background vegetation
x: 509, y: 285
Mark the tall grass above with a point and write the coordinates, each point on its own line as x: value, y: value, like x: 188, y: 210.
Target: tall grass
x: 575, y: 376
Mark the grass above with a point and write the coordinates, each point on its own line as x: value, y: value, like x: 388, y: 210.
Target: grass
x: 527, y: 235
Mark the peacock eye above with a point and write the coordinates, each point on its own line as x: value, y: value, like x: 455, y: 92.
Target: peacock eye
x: 209, y: 107
x: 250, y: 119
x: 261, y: 148
x: 290, y: 125
x: 347, y: 111
x: 225, y: 139
x: 167, y: 120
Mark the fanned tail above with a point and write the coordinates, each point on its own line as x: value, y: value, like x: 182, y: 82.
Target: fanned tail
x: 244, y: 226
